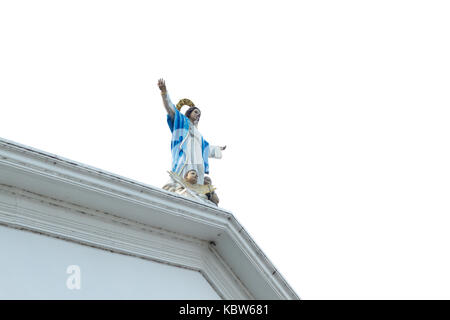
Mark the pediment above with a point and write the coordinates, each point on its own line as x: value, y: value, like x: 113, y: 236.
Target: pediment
x: 44, y: 193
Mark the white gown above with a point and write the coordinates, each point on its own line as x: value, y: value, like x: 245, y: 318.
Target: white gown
x: 194, y: 158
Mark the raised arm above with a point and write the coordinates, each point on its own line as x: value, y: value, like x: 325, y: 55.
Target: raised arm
x: 168, y: 105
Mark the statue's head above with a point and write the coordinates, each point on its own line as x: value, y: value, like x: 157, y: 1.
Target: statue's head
x: 191, y: 176
x: 193, y: 114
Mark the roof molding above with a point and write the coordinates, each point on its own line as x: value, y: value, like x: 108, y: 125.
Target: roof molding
x: 100, y: 209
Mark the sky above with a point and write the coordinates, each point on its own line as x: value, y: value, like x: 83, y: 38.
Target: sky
x: 335, y: 115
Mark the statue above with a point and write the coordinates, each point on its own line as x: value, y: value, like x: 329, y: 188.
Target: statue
x: 188, y: 187
x: 190, y: 151
x: 212, y: 196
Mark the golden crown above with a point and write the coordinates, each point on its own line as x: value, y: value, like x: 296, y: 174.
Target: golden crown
x: 184, y: 102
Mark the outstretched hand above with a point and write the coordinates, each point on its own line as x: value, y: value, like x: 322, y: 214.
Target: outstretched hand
x: 162, y: 85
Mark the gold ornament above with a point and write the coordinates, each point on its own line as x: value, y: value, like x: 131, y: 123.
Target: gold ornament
x: 184, y: 102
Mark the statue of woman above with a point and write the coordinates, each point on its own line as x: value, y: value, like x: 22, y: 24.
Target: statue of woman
x: 189, y: 150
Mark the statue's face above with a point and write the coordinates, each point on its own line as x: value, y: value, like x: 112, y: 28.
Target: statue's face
x: 195, y: 116
x: 191, y: 177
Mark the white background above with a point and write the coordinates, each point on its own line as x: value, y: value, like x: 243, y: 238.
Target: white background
x: 335, y: 114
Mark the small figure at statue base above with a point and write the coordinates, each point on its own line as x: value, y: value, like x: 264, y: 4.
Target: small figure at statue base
x: 189, y: 188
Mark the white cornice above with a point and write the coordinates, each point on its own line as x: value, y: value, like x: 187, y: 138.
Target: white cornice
x: 94, y: 200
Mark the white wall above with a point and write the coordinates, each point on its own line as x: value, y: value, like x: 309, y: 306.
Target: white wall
x: 33, y: 266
